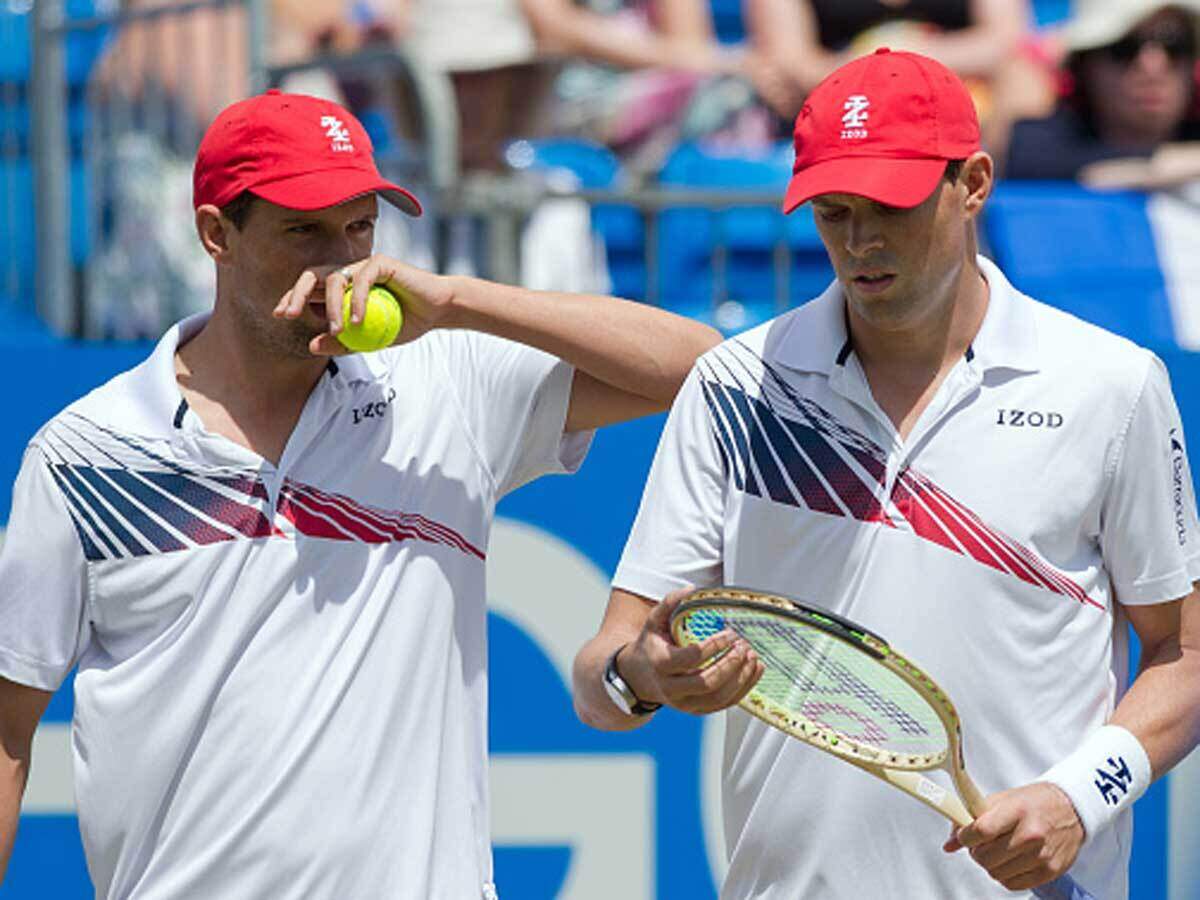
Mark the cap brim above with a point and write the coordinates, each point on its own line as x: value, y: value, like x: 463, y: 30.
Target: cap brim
x: 904, y: 183
x: 320, y: 190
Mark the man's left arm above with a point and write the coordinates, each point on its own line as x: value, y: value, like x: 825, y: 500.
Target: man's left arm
x: 629, y: 358
x: 1162, y: 706
x: 1032, y: 834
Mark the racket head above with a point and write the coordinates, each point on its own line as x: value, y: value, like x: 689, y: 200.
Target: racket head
x: 828, y: 681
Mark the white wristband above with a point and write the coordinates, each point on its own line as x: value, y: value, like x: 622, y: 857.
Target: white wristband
x: 1103, y: 776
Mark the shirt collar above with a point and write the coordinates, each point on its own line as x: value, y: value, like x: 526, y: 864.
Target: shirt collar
x: 159, y: 405
x: 816, y: 339
x: 1008, y: 337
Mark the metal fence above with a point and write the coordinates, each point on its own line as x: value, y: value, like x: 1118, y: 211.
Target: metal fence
x: 156, y: 73
x: 114, y: 132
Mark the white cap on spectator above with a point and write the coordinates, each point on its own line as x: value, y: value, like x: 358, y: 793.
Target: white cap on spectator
x: 1097, y: 23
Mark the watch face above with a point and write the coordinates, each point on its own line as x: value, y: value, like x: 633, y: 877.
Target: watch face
x: 617, y: 689
x: 618, y: 697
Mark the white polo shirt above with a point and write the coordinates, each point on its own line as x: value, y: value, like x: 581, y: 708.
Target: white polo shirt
x: 282, y: 670
x: 1047, y: 478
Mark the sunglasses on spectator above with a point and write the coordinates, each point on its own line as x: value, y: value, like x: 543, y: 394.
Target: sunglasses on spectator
x: 1178, y: 43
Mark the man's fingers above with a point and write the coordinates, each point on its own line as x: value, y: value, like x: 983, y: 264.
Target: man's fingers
x: 659, y: 619
x: 991, y: 824
x: 726, y: 692
x: 336, y: 283
x: 292, y: 304
x: 1026, y: 866
x: 712, y: 679
x: 751, y: 670
x: 687, y: 660
x: 326, y: 345
x: 999, y: 852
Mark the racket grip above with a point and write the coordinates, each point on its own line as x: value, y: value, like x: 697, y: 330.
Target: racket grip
x: 1062, y: 888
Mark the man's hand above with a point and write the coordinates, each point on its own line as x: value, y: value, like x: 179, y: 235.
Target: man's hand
x: 700, y: 678
x: 425, y: 298
x: 1024, y: 837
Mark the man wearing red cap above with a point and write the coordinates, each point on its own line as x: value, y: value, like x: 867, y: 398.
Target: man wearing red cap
x: 267, y: 566
x: 994, y: 485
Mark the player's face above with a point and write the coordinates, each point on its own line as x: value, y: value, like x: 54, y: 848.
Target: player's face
x: 895, y: 265
x: 275, y: 246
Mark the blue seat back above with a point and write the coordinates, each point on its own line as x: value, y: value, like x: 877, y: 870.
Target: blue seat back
x: 751, y: 236
x: 1091, y: 254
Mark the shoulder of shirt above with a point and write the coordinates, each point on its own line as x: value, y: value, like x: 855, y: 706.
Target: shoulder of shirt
x: 761, y: 339
x: 117, y: 403
x: 1092, y: 358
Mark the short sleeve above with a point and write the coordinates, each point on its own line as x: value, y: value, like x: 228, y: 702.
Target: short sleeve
x: 677, y: 538
x: 515, y: 400
x: 1149, y: 534
x: 43, y: 580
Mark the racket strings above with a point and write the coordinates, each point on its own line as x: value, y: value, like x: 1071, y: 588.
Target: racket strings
x: 826, y: 681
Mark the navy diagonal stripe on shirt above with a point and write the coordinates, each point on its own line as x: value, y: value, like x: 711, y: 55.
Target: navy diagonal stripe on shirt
x: 90, y: 498
x: 739, y: 438
x: 802, y: 475
x: 169, y: 507
x: 772, y: 475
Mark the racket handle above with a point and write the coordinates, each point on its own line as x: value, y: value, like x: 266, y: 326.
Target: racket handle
x: 1062, y: 888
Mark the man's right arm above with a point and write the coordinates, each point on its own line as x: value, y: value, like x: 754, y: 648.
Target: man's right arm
x: 654, y: 668
x: 21, y: 708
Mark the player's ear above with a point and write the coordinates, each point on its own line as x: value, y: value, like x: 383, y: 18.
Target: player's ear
x: 979, y: 177
x: 213, y: 231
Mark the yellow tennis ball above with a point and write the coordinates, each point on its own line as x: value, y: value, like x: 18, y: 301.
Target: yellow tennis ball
x: 380, y: 325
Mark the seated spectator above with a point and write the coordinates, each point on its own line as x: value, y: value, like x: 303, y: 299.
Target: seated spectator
x: 645, y: 75
x: 503, y: 85
x: 1130, y: 118
x: 981, y: 40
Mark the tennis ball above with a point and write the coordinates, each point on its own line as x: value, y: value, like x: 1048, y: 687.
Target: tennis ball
x: 380, y: 325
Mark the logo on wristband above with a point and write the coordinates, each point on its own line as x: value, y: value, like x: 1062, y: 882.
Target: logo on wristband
x: 1119, y: 778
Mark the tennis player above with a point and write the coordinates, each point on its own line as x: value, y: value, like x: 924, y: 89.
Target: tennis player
x: 268, y: 565
x: 866, y: 452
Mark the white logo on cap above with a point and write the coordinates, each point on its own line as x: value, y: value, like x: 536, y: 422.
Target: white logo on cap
x: 854, y: 121
x: 338, y: 134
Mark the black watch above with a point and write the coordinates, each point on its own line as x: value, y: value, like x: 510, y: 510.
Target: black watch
x: 622, y: 694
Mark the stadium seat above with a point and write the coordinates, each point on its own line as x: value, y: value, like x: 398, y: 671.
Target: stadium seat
x: 727, y: 21
x: 1051, y: 12
x: 16, y: 55
x: 689, y: 240
x: 597, y: 168
x: 1091, y: 254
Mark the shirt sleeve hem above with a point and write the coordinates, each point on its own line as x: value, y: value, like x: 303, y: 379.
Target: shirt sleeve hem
x: 1169, y: 587
x: 29, y: 672
x: 646, y: 583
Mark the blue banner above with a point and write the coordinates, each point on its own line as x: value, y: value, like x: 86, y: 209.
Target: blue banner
x: 578, y: 814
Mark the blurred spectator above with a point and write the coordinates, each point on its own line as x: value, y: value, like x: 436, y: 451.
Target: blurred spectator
x: 193, y: 62
x: 504, y: 85
x: 644, y: 75
x: 984, y: 41
x: 1130, y: 118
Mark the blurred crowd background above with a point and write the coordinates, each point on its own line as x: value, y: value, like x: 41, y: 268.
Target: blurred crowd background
x: 638, y: 147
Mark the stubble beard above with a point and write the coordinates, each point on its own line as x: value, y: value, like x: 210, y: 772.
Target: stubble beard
x: 279, y: 338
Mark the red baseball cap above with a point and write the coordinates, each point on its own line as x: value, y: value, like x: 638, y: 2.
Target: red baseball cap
x: 882, y: 127
x: 292, y: 150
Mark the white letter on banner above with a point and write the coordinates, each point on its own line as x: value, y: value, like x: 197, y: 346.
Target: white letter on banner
x: 602, y: 805
x: 51, y: 787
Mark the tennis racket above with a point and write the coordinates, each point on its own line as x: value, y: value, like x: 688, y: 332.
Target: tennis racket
x: 839, y: 687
